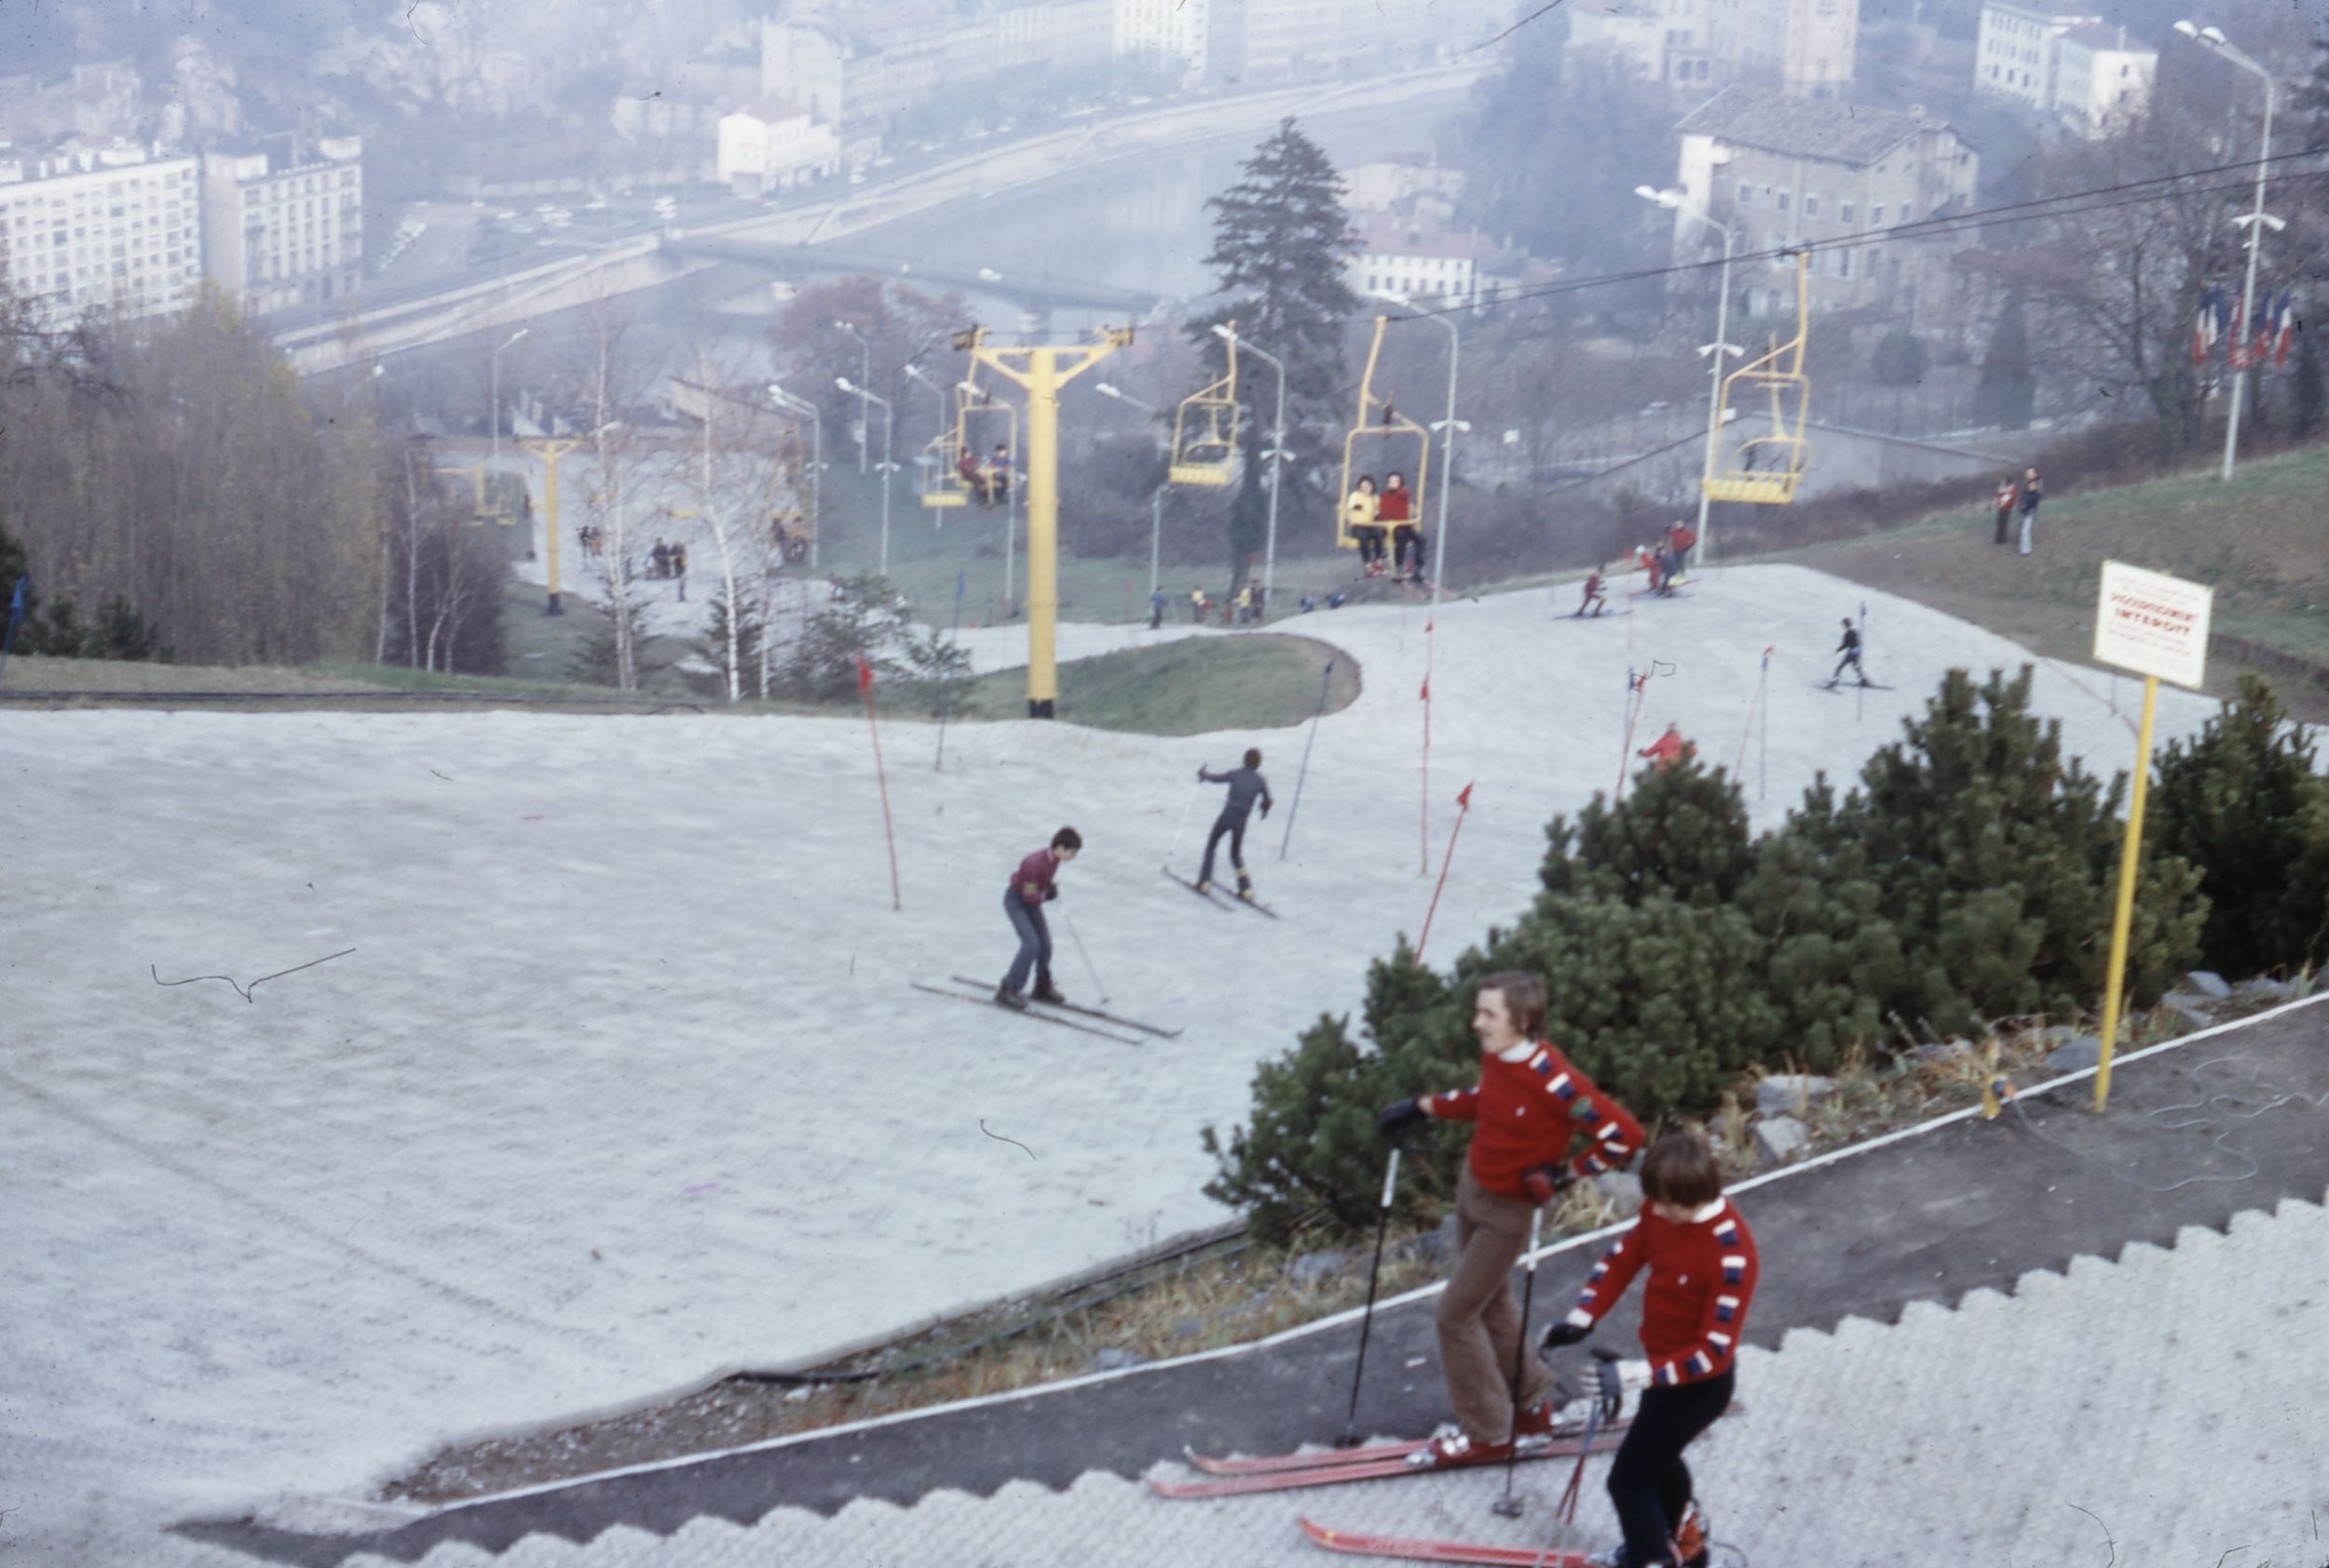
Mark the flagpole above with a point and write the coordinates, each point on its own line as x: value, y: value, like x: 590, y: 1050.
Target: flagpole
x: 1463, y: 809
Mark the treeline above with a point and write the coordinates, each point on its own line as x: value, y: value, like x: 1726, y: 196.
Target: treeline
x: 169, y: 489
x: 1969, y: 877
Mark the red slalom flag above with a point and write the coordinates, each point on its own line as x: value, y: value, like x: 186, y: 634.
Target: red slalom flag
x: 1424, y: 695
x: 864, y: 690
x: 1463, y: 806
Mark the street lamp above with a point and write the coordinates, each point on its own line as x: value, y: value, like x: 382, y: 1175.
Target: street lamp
x: 864, y: 374
x: 1713, y: 351
x: 1273, y: 457
x: 496, y: 361
x: 783, y: 399
x: 1447, y: 452
x: 1156, y: 497
x: 888, y: 419
x: 2214, y: 38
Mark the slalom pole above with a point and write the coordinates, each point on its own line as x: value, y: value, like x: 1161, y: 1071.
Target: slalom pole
x: 946, y: 681
x: 1367, y: 1319
x: 1326, y: 677
x: 1422, y: 865
x: 1752, y: 704
x: 1763, y: 783
x: 1638, y: 686
x: 1464, y: 807
x: 864, y: 690
x: 1086, y: 957
x: 1508, y: 1505
x: 1859, y: 692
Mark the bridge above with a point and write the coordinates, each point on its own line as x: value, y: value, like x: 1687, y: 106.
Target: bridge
x: 810, y: 261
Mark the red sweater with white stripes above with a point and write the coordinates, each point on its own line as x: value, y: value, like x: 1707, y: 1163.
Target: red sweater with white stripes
x: 1702, y: 1276
x: 1528, y: 1113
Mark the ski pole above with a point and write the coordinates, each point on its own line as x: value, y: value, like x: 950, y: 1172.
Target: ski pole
x: 1086, y: 957
x: 1509, y: 1506
x: 1611, y: 1391
x: 1367, y: 1319
x: 1326, y: 677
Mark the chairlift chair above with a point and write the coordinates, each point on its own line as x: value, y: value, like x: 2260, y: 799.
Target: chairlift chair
x: 1205, y: 429
x: 1766, y: 468
x: 1390, y: 428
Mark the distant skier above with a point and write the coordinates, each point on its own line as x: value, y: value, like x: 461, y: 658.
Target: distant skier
x: 1702, y: 1269
x: 1033, y: 887
x: 1246, y: 786
x: 1680, y: 537
x: 1850, y: 648
x: 1651, y: 564
x: 2008, y: 491
x: 1527, y: 1108
x: 2033, y: 492
x: 1156, y: 608
x: 1595, y: 595
x: 1667, y: 749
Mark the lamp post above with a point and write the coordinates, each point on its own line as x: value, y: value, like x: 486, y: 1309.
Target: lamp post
x: 865, y: 375
x: 1156, y: 497
x: 783, y: 399
x: 2243, y: 345
x: 889, y: 417
x: 938, y: 397
x: 1273, y: 457
x: 1447, y: 452
x: 1714, y: 351
x: 495, y: 360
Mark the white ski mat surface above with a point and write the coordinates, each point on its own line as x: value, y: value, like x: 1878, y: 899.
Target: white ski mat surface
x: 624, y: 1085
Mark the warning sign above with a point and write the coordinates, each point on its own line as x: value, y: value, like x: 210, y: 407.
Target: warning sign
x: 2153, y: 624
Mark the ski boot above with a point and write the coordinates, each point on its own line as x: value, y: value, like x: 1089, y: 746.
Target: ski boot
x: 1204, y: 884
x: 1692, y: 1548
x: 1046, y: 991
x: 1006, y: 997
x: 1244, y: 887
x: 1451, y: 1447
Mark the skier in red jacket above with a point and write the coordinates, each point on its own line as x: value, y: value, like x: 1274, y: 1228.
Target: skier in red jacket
x: 1701, y: 1259
x: 1527, y: 1108
x: 1667, y: 749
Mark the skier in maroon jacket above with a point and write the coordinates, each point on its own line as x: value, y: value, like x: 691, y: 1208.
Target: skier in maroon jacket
x: 1031, y: 888
x: 1527, y: 1108
x: 1701, y: 1259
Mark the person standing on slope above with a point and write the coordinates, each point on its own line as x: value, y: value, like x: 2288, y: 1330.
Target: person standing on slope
x: 1527, y: 1108
x: 1702, y: 1270
x: 1246, y: 786
x: 1667, y: 749
x: 1594, y: 599
x: 1031, y: 888
x: 1850, y: 648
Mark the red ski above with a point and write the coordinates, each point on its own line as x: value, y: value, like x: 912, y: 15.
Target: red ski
x: 1327, y: 1470
x: 1360, y: 1545
x: 1265, y: 1464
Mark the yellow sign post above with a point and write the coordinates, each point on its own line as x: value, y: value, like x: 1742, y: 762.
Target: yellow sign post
x: 2157, y: 626
x: 549, y: 452
x: 1040, y: 373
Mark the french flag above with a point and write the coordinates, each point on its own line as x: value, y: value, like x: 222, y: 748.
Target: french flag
x: 2209, y: 324
x: 2284, y: 324
x: 2238, y: 352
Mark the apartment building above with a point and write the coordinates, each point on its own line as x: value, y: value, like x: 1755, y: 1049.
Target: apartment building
x: 1416, y: 260
x: 837, y: 66
x: 764, y: 149
x: 111, y: 227
x: 2013, y: 50
x: 1850, y: 181
x: 1279, y: 40
x: 2100, y: 81
x: 1805, y: 47
x: 283, y: 220
x: 1179, y: 30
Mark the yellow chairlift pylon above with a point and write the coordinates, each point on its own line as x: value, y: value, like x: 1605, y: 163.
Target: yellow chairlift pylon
x: 1205, y: 429
x: 1779, y: 374
x: 1392, y: 426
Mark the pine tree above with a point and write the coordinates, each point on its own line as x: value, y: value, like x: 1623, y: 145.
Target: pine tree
x: 1281, y: 241
x: 1682, y: 832
x: 2006, y: 394
x: 2246, y: 803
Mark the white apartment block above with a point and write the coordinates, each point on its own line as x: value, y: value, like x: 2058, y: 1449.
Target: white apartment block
x: 1276, y: 40
x: 283, y: 224
x: 863, y: 69
x: 1417, y: 261
x: 764, y: 149
x: 104, y: 228
x: 1177, y: 30
x: 2013, y: 53
x: 2100, y: 81
x: 1808, y: 48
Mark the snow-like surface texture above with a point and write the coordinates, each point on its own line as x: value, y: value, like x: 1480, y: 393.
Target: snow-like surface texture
x: 624, y: 1085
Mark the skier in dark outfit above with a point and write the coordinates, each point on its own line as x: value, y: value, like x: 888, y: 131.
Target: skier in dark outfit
x: 1701, y: 1259
x: 1246, y: 786
x: 1850, y: 648
x: 1031, y: 887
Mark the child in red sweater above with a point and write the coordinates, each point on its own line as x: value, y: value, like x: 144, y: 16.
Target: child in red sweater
x: 1527, y: 1108
x: 1701, y: 1259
